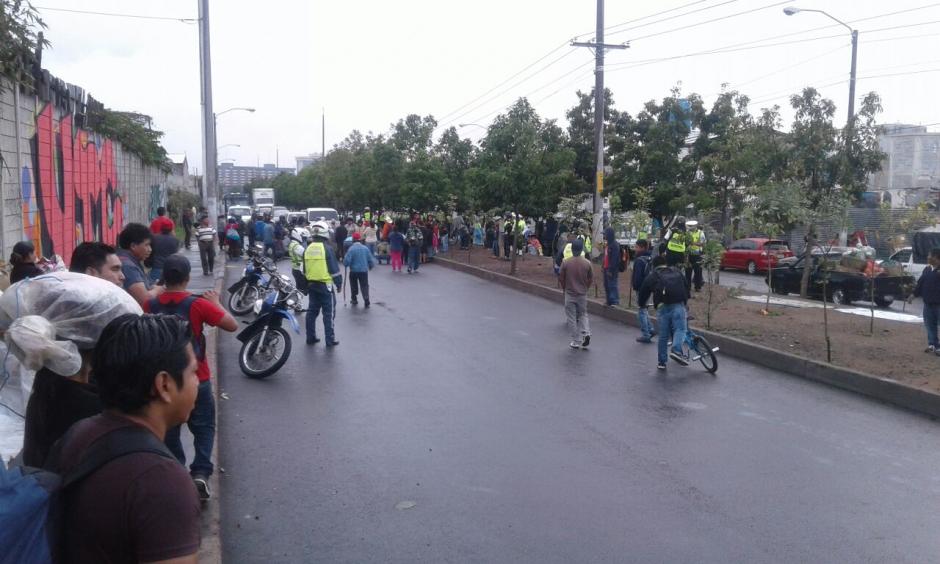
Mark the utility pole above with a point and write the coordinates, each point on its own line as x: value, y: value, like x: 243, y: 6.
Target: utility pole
x: 599, y: 46
x: 209, y: 153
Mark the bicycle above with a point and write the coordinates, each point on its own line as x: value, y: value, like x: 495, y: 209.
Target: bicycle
x: 697, y: 347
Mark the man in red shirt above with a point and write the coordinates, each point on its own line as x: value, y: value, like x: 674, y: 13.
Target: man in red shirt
x: 199, y: 311
x: 156, y: 226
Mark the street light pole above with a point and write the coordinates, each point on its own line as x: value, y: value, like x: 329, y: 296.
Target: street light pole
x: 215, y: 143
x: 850, y: 122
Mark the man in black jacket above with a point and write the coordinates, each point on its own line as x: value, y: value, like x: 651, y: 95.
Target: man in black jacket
x: 670, y: 293
x: 340, y: 237
x: 928, y: 289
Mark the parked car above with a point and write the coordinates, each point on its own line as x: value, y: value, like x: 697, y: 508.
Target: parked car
x: 755, y: 254
x: 842, y: 288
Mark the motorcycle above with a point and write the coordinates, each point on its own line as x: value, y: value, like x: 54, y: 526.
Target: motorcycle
x: 265, y: 344
x: 254, y: 283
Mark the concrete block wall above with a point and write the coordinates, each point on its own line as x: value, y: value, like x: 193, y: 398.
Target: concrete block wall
x: 62, y: 184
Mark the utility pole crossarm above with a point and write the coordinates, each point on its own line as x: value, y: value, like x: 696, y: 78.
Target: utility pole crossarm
x: 603, y: 45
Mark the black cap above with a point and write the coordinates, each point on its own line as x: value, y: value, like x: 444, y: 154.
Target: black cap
x: 176, y: 263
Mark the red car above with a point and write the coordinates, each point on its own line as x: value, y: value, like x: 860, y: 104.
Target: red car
x: 755, y: 255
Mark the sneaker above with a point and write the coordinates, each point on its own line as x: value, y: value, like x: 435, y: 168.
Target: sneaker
x: 644, y: 340
x: 930, y: 349
x: 409, y: 270
x: 574, y: 345
x: 312, y: 341
x: 202, y: 487
x: 586, y: 342
x: 354, y: 302
x: 332, y: 343
x: 680, y: 358
x: 367, y: 303
x: 653, y: 334
x: 661, y: 366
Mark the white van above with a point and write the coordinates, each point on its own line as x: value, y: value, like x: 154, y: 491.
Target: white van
x: 329, y: 215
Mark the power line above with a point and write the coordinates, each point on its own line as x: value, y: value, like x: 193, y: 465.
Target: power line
x: 664, y: 19
x: 116, y: 15
x: 713, y: 20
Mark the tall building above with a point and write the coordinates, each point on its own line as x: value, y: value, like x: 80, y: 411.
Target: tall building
x: 307, y: 160
x: 910, y: 173
x: 232, y: 176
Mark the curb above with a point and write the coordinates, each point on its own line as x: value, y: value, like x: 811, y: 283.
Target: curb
x: 875, y: 387
x: 210, y: 549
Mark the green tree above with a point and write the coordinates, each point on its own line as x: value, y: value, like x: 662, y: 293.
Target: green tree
x: 581, y: 135
x: 20, y: 29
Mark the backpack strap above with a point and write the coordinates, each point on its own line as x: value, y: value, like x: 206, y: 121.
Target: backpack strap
x: 114, y: 445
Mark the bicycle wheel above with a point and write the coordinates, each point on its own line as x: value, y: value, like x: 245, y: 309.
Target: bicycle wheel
x: 705, y: 353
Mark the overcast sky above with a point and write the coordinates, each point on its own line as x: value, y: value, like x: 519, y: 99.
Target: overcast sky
x: 372, y: 62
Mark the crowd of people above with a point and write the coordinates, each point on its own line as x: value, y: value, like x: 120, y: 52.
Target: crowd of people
x: 117, y: 344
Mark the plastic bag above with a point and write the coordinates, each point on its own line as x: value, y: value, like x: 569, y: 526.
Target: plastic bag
x: 47, y: 319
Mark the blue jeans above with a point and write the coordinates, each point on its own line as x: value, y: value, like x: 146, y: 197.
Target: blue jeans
x: 321, y: 298
x: 646, y: 328
x: 413, y: 254
x: 931, y: 319
x: 672, y: 324
x: 371, y: 247
x: 444, y: 243
x: 610, y: 286
x: 202, y: 425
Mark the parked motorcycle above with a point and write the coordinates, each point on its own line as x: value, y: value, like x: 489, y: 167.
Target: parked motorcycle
x: 254, y: 283
x: 265, y: 344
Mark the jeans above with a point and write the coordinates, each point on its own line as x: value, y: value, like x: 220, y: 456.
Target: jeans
x: 207, y: 256
x: 444, y: 243
x: 359, y: 280
x: 672, y: 324
x: 610, y: 286
x: 931, y: 319
x: 155, y: 275
x: 321, y: 298
x: 413, y: 254
x: 396, y: 260
x: 646, y: 328
x: 371, y: 247
x: 576, y: 312
x: 202, y: 425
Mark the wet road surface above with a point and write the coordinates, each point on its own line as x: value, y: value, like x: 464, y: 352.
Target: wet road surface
x: 454, y: 424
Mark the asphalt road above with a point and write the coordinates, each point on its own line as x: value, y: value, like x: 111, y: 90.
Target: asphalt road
x: 454, y: 424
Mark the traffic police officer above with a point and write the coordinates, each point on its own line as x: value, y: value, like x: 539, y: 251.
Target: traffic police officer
x: 322, y: 271
x: 696, y: 244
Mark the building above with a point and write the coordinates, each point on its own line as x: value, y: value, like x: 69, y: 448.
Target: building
x: 179, y: 177
x: 910, y: 173
x: 307, y: 160
x: 231, y: 176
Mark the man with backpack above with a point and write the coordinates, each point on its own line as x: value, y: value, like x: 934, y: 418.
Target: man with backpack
x: 124, y: 498
x: 641, y: 267
x: 199, y: 311
x: 613, y: 266
x: 670, y: 293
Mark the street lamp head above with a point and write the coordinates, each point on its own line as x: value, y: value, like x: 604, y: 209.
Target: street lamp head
x: 790, y: 10
x: 252, y: 110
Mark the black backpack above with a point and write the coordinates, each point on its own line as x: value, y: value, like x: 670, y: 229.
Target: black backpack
x: 671, y: 286
x: 31, y: 524
x: 182, y: 310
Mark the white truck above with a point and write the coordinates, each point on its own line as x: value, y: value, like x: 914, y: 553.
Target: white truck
x: 263, y: 197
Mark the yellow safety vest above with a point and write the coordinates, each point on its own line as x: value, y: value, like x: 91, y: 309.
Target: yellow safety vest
x: 295, y: 250
x: 696, y: 238
x: 587, y: 244
x: 315, y: 268
x: 367, y: 216
x: 520, y: 226
x: 677, y: 242
x: 567, y: 254
x: 642, y: 235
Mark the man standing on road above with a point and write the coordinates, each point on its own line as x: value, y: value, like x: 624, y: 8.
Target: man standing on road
x: 340, y: 237
x: 199, y: 312
x: 575, y: 276
x: 696, y: 238
x: 414, y: 238
x: 187, y: 221
x: 667, y: 286
x: 928, y: 289
x: 641, y: 267
x: 360, y: 260
x: 322, y: 271
x: 611, y: 267
x: 162, y: 246
x: 205, y: 235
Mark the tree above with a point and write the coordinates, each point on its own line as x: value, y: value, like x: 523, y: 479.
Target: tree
x: 772, y: 210
x: 581, y: 135
x: 20, y: 36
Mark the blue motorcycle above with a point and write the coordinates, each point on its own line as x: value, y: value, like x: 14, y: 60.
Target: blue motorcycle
x: 265, y: 344
x: 253, y: 285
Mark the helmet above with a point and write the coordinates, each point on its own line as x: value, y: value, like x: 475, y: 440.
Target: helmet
x: 320, y: 229
x: 299, y: 234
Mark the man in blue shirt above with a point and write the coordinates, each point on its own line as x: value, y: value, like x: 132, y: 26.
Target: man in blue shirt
x: 360, y: 260
x: 928, y: 289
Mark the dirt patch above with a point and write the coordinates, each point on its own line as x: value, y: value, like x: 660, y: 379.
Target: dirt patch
x: 895, y: 350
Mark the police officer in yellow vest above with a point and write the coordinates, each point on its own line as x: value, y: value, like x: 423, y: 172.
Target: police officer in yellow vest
x: 564, y: 252
x: 676, y: 243
x: 696, y: 243
x: 367, y: 215
x: 295, y: 250
x: 322, y: 271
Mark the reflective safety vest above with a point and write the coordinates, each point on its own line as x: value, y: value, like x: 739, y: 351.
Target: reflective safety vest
x: 296, y: 252
x: 315, y: 268
x: 567, y: 254
x: 696, y: 240
x: 587, y: 244
x: 677, y: 242
x: 520, y: 226
x: 642, y: 235
x: 367, y: 216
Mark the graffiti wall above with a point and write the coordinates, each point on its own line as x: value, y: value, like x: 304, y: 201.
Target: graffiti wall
x: 63, y: 184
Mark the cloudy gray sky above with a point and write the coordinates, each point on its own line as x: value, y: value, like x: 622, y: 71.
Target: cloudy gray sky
x: 371, y: 62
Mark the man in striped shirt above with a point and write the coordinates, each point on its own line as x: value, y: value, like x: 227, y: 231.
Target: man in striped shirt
x: 205, y: 234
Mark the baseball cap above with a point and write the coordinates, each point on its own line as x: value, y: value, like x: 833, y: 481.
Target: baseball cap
x: 176, y: 263
x: 356, y: 236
